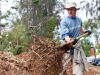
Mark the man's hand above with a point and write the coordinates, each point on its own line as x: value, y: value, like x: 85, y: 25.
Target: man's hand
x: 66, y: 46
x: 88, y: 31
x: 75, y: 41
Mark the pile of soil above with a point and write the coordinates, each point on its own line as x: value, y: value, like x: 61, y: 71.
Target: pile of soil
x: 43, y: 58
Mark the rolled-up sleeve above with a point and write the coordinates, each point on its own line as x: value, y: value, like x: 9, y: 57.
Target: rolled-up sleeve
x: 64, y: 31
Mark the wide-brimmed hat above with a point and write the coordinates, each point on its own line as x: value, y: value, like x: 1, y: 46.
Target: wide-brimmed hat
x: 71, y: 4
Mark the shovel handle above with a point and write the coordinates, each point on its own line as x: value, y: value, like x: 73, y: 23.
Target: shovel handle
x: 82, y: 36
x: 71, y: 41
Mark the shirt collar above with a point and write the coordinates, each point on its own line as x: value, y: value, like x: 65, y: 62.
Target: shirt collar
x: 72, y: 18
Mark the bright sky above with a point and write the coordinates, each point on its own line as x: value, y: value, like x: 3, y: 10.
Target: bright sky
x: 6, y: 6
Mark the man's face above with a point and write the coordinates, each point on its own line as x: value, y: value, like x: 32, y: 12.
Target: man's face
x: 71, y: 11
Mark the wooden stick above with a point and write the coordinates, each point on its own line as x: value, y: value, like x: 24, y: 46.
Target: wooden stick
x: 37, y: 54
x: 71, y: 41
x: 82, y: 36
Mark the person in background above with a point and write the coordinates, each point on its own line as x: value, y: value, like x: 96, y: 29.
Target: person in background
x: 70, y: 28
x: 92, y: 55
x: 93, y: 52
x: 92, y: 58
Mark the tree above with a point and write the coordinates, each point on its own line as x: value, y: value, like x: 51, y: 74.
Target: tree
x: 1, y: 16
x: 94, y: 11
x: 35, y: 13
x: 17, y: 40
x: 86, y: 45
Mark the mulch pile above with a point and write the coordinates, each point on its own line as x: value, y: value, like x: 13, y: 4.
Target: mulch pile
x: 43, y: 58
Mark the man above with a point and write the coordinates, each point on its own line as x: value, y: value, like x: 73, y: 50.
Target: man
x: 92, y: 58
x: 70, y: 28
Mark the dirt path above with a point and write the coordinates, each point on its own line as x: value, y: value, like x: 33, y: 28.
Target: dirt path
x: 95, y: 68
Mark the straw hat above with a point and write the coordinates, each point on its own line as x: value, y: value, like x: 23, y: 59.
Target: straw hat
x: 71, y: 4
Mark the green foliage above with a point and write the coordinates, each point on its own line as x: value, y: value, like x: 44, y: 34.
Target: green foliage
x: 50, y: 27
x: 6, y: 15
x: 98, y: 48
x: 94, y: 28
x: 98, y: 53
x: 93, y: 23
x: 15, y: 41
x: 86, y: 24
x: 14, y: 7
x: 36, y: 1
x: 86, y: 46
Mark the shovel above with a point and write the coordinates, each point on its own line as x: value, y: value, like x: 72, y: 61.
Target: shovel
x: 71, y: 41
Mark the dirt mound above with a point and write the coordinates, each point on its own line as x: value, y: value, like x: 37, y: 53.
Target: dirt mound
x: 43, y: 58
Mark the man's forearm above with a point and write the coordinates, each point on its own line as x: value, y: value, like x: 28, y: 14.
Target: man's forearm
x: 67, y: 38
x: 82, y: 30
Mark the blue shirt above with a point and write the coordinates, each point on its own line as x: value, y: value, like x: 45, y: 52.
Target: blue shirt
x: 70, y: 27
